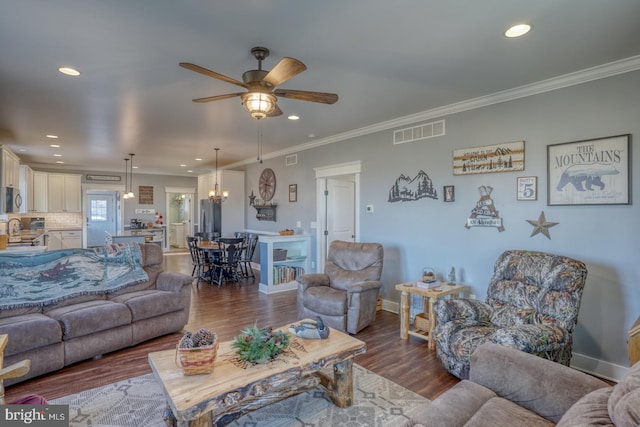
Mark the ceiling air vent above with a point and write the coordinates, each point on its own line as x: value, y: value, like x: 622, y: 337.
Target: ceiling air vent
x: 291, y: 160
x: 426, y: 131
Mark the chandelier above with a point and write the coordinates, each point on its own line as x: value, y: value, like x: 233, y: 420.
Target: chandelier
x: 215, y: 195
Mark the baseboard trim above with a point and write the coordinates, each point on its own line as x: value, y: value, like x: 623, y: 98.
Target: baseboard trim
x: 589, y: 365
x: 597, y: 367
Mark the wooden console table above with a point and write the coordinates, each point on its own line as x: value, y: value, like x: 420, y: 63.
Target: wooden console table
x: 430, y: 297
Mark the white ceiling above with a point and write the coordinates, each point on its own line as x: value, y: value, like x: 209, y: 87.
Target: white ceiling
x: 384, y: 59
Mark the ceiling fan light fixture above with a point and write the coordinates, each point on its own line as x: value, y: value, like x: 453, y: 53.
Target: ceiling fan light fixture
x: 259, y: 104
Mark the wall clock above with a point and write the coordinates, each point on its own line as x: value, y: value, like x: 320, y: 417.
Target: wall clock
x: 267, y: 184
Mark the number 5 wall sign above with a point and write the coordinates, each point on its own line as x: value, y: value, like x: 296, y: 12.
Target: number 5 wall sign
x: 527, y: 188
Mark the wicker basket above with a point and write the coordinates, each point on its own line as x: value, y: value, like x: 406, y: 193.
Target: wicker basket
x: 286, y: 232
x: 197, y: 360
x: 279, y: 254
x: 421, y: 321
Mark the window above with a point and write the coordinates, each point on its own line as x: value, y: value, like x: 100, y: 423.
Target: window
x: 98, y: 210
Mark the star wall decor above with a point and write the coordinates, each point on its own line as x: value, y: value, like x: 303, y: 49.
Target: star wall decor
x: 541, y: 226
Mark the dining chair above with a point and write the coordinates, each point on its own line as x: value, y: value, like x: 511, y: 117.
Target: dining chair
x: 202, y: 267
x: 250, y: 244
x: 226, y: 267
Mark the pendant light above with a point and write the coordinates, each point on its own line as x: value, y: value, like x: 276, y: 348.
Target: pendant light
x: 125, y: 195
x: 214, y: 195
x: 130, y: 194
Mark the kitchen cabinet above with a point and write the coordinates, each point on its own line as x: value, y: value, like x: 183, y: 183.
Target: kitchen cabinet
x: 282, y: 259
x: 10, y: 169
x: 176, y: 235
x: 232, y: 216
x: 64, y: 192
x: 33, y: 188
x: 67, y: 239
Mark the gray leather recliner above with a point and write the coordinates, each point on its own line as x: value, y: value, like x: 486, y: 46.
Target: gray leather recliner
x: 346, y: 295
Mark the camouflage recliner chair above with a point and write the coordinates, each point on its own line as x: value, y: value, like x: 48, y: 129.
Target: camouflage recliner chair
x: 532, y: 305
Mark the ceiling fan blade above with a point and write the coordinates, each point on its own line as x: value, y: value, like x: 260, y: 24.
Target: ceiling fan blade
x: 206, y: 72
x: 218, y: 97
x: 284, y: 70
x: 305, y: 95
x: 276, y: 112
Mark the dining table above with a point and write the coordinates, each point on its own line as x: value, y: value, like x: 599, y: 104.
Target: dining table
x: 213, y: 250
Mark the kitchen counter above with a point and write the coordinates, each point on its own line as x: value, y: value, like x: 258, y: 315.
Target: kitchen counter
x: 23, y: 250
x: 148, y: 235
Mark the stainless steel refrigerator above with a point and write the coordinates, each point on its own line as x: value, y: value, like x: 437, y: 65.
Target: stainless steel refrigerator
x: 210, y: 217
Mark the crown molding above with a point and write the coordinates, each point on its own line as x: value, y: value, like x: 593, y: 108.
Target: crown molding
x: 583, y: 76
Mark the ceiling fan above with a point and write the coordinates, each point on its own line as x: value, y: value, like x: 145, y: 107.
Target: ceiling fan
x: 261, y: 96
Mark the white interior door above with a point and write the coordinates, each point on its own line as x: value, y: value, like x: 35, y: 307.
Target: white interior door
x: 101, y: 216
x: 341, y: 210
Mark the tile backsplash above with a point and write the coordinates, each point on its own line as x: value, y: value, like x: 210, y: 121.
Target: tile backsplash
x: 62, y: 220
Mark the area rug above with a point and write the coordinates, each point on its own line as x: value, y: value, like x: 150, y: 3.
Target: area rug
x: 139, y: 402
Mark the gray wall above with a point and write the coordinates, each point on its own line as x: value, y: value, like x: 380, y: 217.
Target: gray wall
x: 432, y: 233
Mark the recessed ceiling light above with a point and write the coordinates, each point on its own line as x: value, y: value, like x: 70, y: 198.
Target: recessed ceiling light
x: 57, y: 155
x: 134, y: 167
x: 311, y: 135
x: 198, y: 159
x: 54, y: 146
x: 293, y: 117
x: 23, y: 150
x: 69, y: 71
x: 517, y: 30
x: 52, y: 136
x: 60, y: 162
x: 189, y: 171
x: 183, y: 166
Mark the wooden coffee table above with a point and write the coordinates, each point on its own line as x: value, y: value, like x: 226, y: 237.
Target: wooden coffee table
x: 235, y: 388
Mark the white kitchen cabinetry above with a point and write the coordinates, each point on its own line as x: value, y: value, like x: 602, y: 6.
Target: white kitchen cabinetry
x: 279, y: 276
x: 68, y: 239
x: 176, y: 235
x: 64, y: 192
x: 233, y: 208
x: 33, y: 188
x: 10, y: 169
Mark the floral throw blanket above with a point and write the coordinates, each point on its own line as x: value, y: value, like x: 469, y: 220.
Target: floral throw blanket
x: 49, y: 277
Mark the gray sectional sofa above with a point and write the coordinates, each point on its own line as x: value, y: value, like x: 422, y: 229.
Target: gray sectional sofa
x: 508, y: 387
x: 78, y: 327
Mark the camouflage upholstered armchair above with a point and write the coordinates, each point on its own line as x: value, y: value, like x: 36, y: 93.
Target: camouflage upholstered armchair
x: 532, y: 305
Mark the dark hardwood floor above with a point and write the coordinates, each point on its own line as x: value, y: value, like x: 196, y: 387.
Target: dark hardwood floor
x: 231, y: 308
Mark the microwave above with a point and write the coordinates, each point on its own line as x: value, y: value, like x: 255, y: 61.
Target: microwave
x: 10, y: 200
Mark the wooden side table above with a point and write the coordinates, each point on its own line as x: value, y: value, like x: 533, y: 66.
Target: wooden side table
x: 430, y: 297
x: 633, y: 345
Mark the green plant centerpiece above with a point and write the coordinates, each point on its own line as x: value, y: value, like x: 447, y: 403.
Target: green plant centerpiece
x: 260, y: 345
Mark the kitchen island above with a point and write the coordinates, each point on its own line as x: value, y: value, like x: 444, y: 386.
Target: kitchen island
x: 22, y: 249
x: 149, y: 235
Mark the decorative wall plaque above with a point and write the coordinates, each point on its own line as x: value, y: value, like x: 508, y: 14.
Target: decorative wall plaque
x: 407, y: 189
x: 145, y: 194
x: 485, y: 213
x: 505, y: 157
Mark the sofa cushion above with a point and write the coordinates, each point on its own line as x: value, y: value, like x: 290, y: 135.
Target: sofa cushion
x: 590, y: 410
x: 89, y: 317
x: 326, y: 300
x: 503, y: 412
x: 10, y: 312
x: 29, y: 331
x: 150, y: 303
x: 453, y: 408
x: 624, y: 403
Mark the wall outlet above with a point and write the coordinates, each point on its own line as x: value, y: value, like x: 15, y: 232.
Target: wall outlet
x: 299, y: 224
x: 369, y: 208
x: 314, y: 224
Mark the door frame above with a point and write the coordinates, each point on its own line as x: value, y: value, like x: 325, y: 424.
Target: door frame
x: 90, y: 186
x: 333, y: 171
x: 189, y: 191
